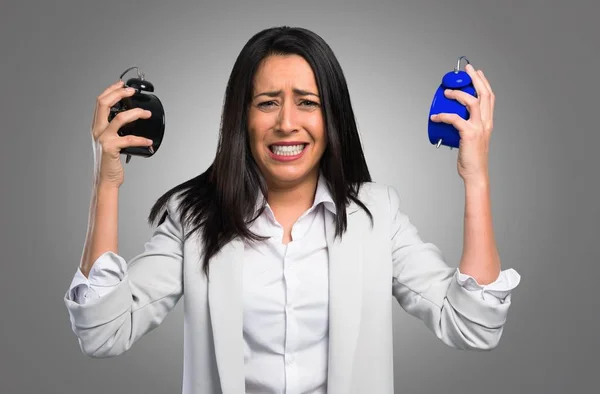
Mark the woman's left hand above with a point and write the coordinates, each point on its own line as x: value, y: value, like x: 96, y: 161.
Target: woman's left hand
x: 474, y: 133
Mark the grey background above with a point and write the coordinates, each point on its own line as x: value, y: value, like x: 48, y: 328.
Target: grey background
x: 541, y: 58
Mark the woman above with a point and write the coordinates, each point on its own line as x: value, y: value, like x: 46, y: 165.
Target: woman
x: 286, y: 251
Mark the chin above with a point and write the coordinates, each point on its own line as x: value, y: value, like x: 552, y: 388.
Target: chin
x: 289, y: 174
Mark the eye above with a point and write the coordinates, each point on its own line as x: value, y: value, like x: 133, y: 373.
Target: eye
x: 310, y: 103
x: 266, y: 103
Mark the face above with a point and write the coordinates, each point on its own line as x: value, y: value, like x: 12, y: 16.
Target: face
x: 285, y: 121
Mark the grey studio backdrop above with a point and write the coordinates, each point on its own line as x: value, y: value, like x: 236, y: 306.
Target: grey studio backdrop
x: 540, y: 56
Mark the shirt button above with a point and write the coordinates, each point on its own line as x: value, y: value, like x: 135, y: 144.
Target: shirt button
x: 290, y: 360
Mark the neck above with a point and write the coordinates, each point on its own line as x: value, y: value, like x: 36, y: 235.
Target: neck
x: 293, y: 198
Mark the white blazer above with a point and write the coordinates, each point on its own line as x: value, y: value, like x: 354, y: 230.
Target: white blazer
x: 368, y: 266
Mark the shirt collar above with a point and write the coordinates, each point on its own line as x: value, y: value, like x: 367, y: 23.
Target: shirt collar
x: 322, y: 195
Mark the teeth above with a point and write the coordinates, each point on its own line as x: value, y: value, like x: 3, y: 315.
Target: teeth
x: 290, y: 150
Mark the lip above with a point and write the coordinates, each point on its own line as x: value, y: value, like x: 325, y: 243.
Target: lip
x: 288, y: 143
x: 287, y: 158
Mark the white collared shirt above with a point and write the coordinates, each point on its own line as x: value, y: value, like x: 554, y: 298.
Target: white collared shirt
x: 285, y: 299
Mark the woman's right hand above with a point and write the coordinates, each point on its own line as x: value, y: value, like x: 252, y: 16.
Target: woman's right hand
x: 106, y: 142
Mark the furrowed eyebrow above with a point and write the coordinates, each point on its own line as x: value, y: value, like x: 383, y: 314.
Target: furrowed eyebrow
x: 296, y: 91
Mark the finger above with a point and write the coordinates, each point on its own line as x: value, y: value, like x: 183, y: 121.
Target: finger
x: 458, y: 122
x: 132, y: 140
x: 111, y: 88
x: 483, y: 93
x: 125, y: 117
x: 104, y: 103
x: 106, y: 91
x: 469, y: 101
x: 492, y: 95
x: 484, y: 79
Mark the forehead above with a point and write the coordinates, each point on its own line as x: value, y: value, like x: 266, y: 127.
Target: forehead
x: 279, y: 71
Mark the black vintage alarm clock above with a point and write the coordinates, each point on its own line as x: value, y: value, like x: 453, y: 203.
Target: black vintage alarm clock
x: 152, y: 128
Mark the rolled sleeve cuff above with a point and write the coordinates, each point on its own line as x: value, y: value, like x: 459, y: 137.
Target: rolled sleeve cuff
x: 79, y: 288
x: 495, y: 292
x: 486, y: 305
x: 106, y: 273
x: 93, y: 314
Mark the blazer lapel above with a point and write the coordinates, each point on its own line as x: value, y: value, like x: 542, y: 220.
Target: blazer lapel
x: 226, y: 314
x: 345, y: 298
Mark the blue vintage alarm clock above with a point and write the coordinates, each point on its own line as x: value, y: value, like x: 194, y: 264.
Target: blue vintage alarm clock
x: 443, y: 133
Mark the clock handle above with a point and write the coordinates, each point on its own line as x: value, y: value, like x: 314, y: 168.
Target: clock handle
x: 458, y: 63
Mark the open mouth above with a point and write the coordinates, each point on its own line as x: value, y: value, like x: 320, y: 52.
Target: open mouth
x: 287, y: 150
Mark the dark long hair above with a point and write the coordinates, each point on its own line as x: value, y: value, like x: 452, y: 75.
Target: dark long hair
x: 221, y: 201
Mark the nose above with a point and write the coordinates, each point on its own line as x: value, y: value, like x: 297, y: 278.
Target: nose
x: 287, y: 121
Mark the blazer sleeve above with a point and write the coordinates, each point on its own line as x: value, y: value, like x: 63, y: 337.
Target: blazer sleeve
x: 151, y: 286
x: 427, y: 288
